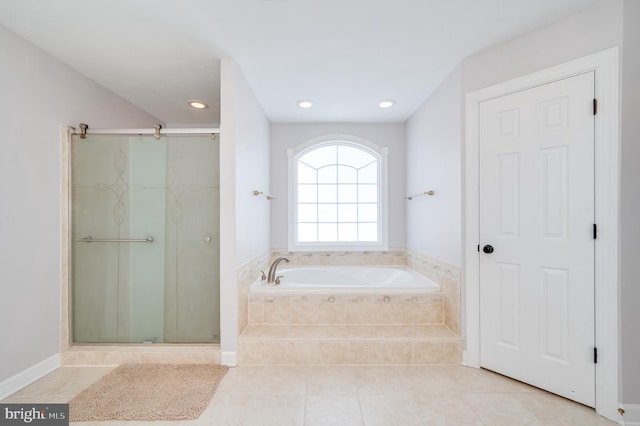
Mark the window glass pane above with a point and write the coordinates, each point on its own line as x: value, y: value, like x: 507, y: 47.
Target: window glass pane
x: 306, y: 174
x: 347, y: 193
x: 327, y: 212
x: 327, y: 193
x: 354, y: 156
x: 347, y: 213
x: 328, y: 232
x: 321, y: 156
x: 347, y: 232
x: 368, y: 174
x: 307, y: 232
x: 368, y: 232
x: 367, y: 213
x: 328, y: 174
x: 307, y: 212
x: 347, y: 174
x: 338, y: 195
x: 367, y: 193
x: 307, y: 193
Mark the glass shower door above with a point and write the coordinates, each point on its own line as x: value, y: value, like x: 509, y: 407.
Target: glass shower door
x: 192, y: 266
x: 145, y: 239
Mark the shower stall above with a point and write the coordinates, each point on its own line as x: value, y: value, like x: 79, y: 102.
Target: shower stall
x: 144, y: 238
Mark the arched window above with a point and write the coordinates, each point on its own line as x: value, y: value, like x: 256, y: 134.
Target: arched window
x: 337, y: 197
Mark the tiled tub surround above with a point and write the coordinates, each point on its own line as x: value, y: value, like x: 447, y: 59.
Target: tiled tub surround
x: 348, y: 329
x: 246, y: 275
x: 346, y: 309
x: 447, y: 277
x: 341, y: 329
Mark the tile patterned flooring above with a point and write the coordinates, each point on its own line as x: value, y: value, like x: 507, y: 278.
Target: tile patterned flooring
x: 349, y: 395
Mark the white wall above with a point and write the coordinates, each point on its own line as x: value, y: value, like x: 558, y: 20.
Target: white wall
x: 434, y: 136
x: 593, y: 30
x: 244, y: 167
x: 252, y: 173
x: 284, y: 136
x: 39, y: 94
x: 630, y: 206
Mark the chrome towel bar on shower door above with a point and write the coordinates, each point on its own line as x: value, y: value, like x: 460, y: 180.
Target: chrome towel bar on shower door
x: 90, y: 239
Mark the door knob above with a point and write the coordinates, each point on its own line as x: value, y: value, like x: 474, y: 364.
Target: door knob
x: 487, y: 249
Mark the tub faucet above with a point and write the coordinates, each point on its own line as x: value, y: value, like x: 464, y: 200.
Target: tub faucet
x: 271, y: 277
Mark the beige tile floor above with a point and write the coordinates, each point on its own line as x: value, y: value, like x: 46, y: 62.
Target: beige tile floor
x: 345, y: 395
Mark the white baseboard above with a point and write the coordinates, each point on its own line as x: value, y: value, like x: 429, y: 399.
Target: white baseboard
x: 229, y: 358
x: 470, y: 360
x: 631, y: 415
x: 28, y: 376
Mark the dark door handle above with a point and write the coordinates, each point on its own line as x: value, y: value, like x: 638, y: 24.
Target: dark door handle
x: 487, y: 249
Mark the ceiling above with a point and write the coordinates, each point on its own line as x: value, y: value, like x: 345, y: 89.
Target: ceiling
x: 344, y: 55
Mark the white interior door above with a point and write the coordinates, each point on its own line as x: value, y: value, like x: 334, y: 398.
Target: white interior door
x: 537, y: 214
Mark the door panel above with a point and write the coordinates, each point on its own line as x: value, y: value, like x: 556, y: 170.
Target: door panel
x: 537, y: 211
x: 508, y: 287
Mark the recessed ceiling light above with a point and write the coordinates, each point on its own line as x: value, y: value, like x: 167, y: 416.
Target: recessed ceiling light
x: 387, y: 103
x: 198, y: 104
x: 305, y: 104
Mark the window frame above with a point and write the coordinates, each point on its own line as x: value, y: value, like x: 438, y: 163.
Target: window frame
x: 381, y: 153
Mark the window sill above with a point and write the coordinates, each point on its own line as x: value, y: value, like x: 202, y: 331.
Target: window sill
x: 318, y: 247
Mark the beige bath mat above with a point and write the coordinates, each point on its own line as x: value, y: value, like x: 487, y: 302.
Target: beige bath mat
x: 148, y: 392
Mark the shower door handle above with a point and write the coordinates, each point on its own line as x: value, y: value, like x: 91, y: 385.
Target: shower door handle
x: 90, y: 239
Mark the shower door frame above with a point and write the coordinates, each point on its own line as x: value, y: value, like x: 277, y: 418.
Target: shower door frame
x: 66, y: 214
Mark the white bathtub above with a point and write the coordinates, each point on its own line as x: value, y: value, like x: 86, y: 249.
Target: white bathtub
x: 347, y: 279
